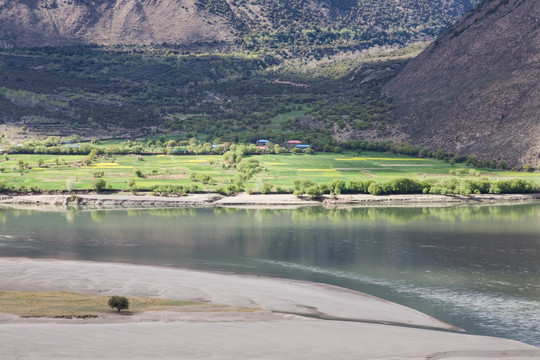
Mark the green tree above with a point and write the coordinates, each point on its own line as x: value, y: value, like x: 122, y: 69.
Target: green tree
x: 118, y: 302
x: 21, y: 165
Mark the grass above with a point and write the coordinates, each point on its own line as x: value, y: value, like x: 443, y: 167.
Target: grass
x: 276, y: 121
x: 67, y: 304
x: 279, y: 170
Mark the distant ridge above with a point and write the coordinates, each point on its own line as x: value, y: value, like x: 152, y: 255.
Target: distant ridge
x: 107, y: 22
x: 325, y: 25
x: 476, y: 89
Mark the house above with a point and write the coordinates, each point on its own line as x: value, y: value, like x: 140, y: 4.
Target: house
x: 292, y: 144
x: 303, y: 147
x: 262, y: 142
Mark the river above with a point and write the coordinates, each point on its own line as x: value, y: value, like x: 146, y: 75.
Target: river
x: 476, y: 267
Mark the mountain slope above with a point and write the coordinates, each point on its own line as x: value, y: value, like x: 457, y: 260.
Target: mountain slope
x: 58, y: 23
x: 323, y: 26
x: 476, y: 90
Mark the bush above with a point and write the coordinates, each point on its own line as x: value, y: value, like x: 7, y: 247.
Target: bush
x: 336, y: 187
x: 302, y: 184
x: 99, y: 185
x: 403, y: 186
x: 132, y: 186
x: 118, y: 302
x: 166, y: 190
x: 202, y: 178
x: 314, y: 191
x: 375, y: 189
x: 358, y: 187
x: 229, y: 190
x: 267, y: 188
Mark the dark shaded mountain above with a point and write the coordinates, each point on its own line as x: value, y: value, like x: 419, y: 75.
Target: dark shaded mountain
x: 288, y: 26
x: 476, y: 89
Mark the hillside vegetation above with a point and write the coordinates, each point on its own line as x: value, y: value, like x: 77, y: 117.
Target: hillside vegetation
x: 301, y: 27
x: 287, y: 27
x: 130, y: 92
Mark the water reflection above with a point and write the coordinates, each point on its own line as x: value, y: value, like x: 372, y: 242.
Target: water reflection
x: 474, y: 266
x: 401, y: 215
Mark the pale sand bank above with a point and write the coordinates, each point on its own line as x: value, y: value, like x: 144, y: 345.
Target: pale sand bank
x: 128, y: 200
x: 227, y: 335
x: 271, y: 294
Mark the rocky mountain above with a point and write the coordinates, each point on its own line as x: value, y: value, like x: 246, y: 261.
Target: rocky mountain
x: 476, y: 89
x: 291, y: 26
x: 104, y: 22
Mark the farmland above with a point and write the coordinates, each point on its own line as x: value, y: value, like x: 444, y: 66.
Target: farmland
x: 209, y: 173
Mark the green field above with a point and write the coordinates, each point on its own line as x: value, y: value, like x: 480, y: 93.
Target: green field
x: 67, y: 173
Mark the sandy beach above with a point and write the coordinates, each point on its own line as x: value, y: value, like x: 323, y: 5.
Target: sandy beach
x: 287, y: 319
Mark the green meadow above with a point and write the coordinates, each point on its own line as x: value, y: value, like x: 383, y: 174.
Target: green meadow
x: 68, y: 173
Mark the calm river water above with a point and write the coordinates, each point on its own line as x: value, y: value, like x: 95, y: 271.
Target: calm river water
x: 476, y: 267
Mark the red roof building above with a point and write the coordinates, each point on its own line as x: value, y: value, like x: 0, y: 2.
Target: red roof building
x: 292, y: 143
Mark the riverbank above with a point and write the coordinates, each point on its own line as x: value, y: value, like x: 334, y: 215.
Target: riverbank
x: 288, y: 319
x: 129, y: 200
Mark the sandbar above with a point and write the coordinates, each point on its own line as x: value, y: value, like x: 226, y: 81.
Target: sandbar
x: 287, y: 319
